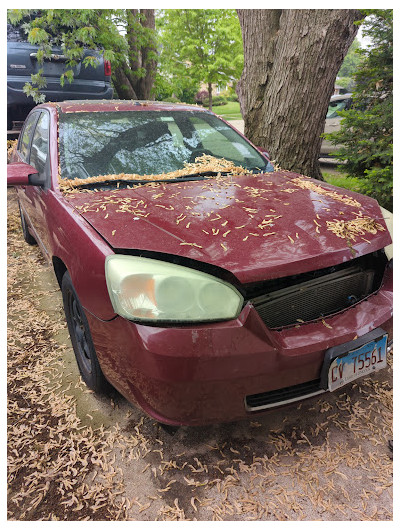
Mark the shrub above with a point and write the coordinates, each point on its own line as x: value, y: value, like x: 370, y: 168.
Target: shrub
x: 201, y: 97
x: 219, y: 100
x: 172, y: 99
x: 347, y: 83
x: 366, y: 133
x: 230, y: 94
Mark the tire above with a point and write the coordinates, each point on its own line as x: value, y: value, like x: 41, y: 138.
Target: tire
x: 171, y: 430
x: 81, y: 339
x: 27, y: 235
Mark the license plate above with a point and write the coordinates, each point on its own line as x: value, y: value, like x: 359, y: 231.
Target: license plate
x: 371, y: 357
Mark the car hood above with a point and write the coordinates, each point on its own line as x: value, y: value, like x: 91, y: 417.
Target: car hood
x: 257, y: 227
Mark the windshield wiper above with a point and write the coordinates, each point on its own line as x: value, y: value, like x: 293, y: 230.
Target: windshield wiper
x: 199, y: 176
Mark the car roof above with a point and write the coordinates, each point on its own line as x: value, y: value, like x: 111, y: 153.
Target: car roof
x: 341, y: 96
x: 69, y: 106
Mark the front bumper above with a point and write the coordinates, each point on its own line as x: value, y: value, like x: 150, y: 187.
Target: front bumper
x: 202, y: 374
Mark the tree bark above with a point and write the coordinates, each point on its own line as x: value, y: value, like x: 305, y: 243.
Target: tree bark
x: 210, y: 96
x: 291, y: 59
x: 148, y: 55
x: 133, y: 54
x: 123, y: 85
x: 135, y: 79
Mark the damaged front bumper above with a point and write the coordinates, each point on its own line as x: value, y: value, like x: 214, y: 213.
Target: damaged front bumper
x: 204, y: 374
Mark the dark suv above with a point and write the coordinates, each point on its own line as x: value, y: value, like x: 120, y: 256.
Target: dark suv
x: 89, y: 82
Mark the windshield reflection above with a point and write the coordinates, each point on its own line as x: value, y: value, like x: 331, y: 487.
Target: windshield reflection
x: 148, y: 143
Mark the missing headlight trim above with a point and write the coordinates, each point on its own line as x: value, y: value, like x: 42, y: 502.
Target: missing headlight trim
x: 311, y: 296
x: 204, y: 267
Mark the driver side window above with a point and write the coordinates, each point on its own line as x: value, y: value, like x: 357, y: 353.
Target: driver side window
x: 26, y: 136
x: 40, y: 144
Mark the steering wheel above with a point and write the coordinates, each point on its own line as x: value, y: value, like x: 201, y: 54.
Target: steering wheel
x: 198, y: 152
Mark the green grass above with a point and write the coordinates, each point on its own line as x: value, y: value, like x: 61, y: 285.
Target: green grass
x: 230, y: 111
x: 342, y: 180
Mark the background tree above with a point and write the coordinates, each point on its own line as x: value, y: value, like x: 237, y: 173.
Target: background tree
x: 168, y: 87
x: 291, y: 59
x: 367, y: 128
x: 135, y: 70
x: 351, y: 61
x: 126, y: 38
x: 200, y: 45
x: 345, y: 77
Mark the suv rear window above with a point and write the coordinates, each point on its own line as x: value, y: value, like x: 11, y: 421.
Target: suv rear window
x: 16, y: 34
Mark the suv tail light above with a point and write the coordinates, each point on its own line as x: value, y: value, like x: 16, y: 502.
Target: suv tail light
x: 107, y: 68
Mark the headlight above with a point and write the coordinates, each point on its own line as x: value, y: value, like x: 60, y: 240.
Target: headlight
x: 388, y: 217
x: 144, y: 289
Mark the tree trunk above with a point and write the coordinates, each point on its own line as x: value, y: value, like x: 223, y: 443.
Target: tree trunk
x: 291, y: 59
x: 149, y: 56
x: 134, y: 80
x: 210, y: 96
x: 122, y: 84
x: 131, y: 37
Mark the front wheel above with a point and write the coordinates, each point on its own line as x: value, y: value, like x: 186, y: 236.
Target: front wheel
x: 81, y: 338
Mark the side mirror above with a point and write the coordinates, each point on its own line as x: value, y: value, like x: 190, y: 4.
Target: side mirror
x: 269, y: 167
x: 18, y: 174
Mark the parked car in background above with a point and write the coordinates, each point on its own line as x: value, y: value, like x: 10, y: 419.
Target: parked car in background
x: 89, y: 82
x: 199, y: 282
x: 340, y: 102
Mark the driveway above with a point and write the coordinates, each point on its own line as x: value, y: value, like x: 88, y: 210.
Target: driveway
x: 73, y: 455
x: 239, y: 124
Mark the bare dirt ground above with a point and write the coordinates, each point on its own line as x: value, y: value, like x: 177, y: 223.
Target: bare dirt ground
x: 73, y: 455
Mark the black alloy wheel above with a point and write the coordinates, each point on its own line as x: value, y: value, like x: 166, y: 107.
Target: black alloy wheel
x: 81, y: 338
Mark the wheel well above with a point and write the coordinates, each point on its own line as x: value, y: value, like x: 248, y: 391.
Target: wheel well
x: 59, y: 269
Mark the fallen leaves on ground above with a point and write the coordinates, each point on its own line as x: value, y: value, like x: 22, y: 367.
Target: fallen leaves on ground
x: 324, y: 459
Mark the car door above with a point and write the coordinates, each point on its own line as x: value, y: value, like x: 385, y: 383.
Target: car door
x: 23, y: 150
x: 37, y: 196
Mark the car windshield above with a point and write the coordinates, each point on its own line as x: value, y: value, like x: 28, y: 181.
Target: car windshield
x: 334, y: 107
x: 146, y: 143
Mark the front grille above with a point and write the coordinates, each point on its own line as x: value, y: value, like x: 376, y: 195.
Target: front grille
x: 313, y: 299
x: 282, y: 396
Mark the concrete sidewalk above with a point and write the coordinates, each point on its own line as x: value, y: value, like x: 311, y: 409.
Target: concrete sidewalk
x: 239, y: 124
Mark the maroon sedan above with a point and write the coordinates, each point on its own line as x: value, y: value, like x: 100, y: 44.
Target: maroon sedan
x: 199, y: 282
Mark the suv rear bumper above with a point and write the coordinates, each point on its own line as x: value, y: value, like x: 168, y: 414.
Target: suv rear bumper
x: 79, y: 89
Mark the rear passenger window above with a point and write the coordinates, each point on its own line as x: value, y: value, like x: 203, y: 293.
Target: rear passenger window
x: 40, y: 144
x: 26, y: 136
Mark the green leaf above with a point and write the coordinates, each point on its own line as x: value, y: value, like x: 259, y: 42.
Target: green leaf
x: 37, y: 36
x: 68, y: 75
